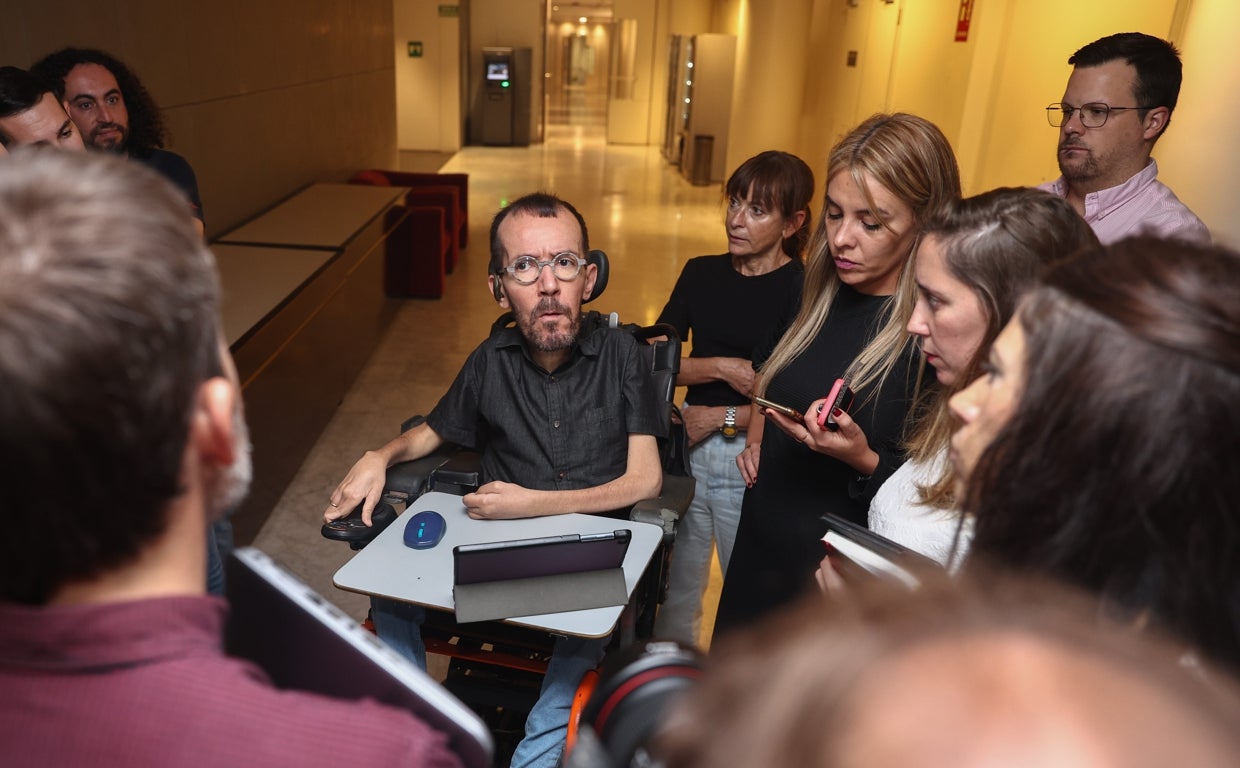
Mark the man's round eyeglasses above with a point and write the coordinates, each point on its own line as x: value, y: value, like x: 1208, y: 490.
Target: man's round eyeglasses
x: 1093, y: 114
x: 525, y: 270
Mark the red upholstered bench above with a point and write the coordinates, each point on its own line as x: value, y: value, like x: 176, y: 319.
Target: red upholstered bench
x: 426, y: 247
x: 458, y: 218
x: 416, y: 253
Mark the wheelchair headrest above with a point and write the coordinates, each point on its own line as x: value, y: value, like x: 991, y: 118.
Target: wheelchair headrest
x: 598, y: 259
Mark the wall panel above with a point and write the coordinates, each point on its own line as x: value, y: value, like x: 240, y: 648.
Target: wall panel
x: 261, y: 97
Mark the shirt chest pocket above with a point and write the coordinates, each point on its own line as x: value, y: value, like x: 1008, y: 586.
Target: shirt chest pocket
x: 600, y: 426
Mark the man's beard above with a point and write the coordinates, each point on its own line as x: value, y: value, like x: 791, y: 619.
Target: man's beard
x: 118, y: 145
x: 1084, y: 168
x: 549, y: 339
x: 232, y: 485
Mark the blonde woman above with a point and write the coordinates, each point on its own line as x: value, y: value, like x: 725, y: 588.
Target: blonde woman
x: 884, y: 179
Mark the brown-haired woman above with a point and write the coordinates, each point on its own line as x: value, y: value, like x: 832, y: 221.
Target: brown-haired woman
x: 727, y: 305
x: 1100, y: 445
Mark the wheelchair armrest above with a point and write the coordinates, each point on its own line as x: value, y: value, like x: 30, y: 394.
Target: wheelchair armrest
x: 407, y: 480
x: 666, y: 509
x: 458, y: 475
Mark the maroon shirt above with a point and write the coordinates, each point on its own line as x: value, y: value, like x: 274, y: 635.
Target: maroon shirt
x: 146, y: 683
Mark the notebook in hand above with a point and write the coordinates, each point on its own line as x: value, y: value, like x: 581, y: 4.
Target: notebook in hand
x: 855, y: 550
x: 305, y: 643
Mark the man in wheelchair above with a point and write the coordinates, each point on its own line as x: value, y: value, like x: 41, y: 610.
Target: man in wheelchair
x: 563, y: 413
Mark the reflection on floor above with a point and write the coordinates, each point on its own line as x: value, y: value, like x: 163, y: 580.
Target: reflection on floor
x: 638, y: 209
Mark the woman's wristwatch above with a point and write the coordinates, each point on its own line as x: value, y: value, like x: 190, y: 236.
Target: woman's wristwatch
x: 729, y: 429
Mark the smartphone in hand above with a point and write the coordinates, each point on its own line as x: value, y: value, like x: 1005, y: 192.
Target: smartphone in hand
x: 841, y: 396
x: 785, y: 410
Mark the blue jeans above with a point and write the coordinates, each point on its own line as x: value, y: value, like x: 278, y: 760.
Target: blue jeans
x: 219, y: 545
x: 711, y: 520
x: 546, y: 727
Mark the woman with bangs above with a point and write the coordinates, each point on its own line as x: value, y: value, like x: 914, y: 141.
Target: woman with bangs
x: 727, y: 305
x: 884, y: 180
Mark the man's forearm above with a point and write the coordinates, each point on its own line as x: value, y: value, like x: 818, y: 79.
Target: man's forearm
x: 411, y: 444
x: 642, y: 479
x: 624, y: 491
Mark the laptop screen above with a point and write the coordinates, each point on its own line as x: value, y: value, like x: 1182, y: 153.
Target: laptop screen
x: 304, y: 642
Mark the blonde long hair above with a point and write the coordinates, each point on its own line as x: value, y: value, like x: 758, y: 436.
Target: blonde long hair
x: 912, y: 159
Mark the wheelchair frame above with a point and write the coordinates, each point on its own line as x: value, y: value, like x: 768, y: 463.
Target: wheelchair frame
x: 498, y: 672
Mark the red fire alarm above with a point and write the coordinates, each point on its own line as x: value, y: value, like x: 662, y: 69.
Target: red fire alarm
x: 962, y: 20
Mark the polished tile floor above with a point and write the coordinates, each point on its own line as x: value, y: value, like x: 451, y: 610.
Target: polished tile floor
x: 638, y: 209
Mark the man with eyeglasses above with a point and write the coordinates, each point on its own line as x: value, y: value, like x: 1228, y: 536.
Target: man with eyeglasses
x: 1118, y: 101
x: 563, y: 413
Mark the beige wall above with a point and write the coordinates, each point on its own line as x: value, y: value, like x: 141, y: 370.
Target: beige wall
x: 428, y: 103
x: 926, y: 57
x: 261, y: 97
x: 629, y: 119
x: 770, y: 77
x: 725, y: 17
x: 1200, y: 155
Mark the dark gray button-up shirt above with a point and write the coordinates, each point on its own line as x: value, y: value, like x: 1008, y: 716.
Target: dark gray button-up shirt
x: 561, y: 430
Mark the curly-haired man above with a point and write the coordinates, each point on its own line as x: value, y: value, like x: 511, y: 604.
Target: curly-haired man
x: 114, y: 111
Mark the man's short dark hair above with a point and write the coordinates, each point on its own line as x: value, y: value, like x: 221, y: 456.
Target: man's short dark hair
x: 540, y: 204
x: 1159, y: 70
x: 19, y: 91
x: 108, y: 326
x: 146, y: 123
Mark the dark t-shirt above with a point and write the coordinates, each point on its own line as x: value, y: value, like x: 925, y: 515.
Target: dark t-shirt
x: 176, y: 169
x: 563, y: 430
x: 726, y: 314
x: 778, y: 543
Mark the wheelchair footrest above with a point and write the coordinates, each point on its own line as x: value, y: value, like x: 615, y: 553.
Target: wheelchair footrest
x: 492, y: 643
x: 485, y: 655
x: 484, y: 688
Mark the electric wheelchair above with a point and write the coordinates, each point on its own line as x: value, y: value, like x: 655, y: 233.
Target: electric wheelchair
x: 496, y: 668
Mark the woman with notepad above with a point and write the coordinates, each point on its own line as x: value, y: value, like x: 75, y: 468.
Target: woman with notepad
x: 971, y: 267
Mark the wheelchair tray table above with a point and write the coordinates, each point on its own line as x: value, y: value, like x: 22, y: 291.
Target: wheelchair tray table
x: 388, y: 568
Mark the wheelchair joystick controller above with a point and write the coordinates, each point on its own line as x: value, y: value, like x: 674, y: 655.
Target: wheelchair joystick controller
x: 350, y: 528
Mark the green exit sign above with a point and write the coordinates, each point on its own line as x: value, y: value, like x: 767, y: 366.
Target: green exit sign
x: 415, y: 49
x: 449, y: 11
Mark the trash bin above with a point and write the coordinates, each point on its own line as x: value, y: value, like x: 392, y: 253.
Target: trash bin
x: 703, y: 155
